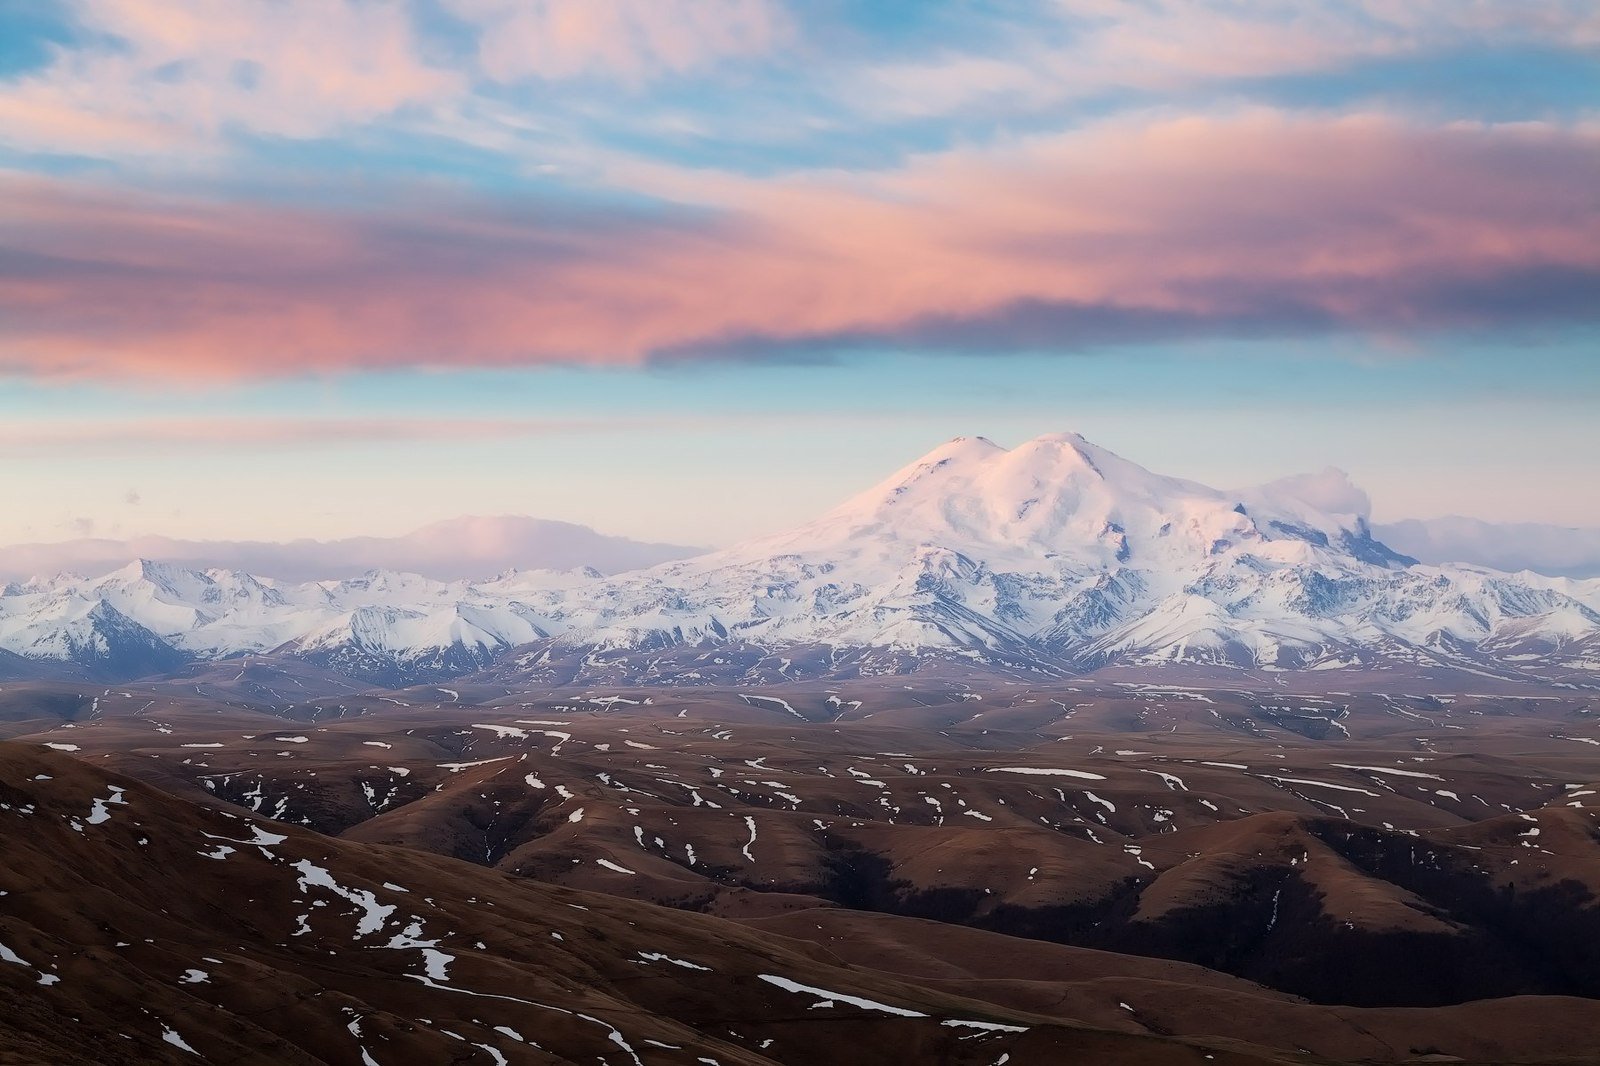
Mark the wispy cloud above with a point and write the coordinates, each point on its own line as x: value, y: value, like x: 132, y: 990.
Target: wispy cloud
x: 1062, y: 50
x: 176, y: 76
x: 58, y: 438
x: 186, y: 77
x: 632, y: 40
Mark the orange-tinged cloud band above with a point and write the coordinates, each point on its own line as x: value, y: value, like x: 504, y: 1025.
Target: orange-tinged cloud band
x: 1252, y: 220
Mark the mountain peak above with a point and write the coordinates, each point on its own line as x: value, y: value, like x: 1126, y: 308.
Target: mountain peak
x: 1059, y: 499
x: 163, y: 575
x: 135, y: 570
x: 1053, y: 495
x: 960, y: 448
x: 1071, y: 449
x: 1076, y: 440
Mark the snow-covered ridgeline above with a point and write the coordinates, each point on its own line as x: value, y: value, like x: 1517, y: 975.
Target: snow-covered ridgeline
x: 1055, y: 551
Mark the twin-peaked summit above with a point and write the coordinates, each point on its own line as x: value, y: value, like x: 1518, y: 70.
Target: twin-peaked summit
x: 1061, y: 498
x: 1056, y: 556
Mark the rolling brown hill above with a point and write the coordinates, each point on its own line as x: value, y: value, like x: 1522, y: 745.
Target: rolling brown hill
x: 1180, y: 869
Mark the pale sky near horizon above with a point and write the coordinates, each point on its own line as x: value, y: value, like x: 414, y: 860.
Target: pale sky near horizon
x: 693, y: 270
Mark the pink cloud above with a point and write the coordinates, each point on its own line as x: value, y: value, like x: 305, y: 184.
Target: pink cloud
x: 1095, y: 46
x: 181, y: 72
x: 1196, y: 222
x: 182, y: 434
x: 630, y: 39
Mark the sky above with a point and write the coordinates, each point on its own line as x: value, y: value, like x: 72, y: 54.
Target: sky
x: 695, y: 270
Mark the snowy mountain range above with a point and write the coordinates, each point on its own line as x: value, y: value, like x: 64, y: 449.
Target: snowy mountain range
x: 1055, y: 557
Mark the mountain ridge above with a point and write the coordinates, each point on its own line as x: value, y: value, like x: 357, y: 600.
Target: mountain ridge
x: 1056, y: 556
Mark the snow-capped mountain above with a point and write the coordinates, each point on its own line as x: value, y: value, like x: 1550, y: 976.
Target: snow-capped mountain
x: 1055, y: 556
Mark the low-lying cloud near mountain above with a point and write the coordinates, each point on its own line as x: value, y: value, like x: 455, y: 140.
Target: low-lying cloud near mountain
x: 470, y: 547
x: 479, y: 546
x: 1560, y: 551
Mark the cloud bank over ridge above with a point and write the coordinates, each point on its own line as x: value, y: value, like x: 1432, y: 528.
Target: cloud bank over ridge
x: 464, y: 548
